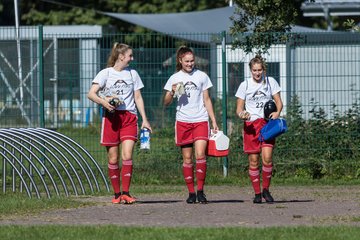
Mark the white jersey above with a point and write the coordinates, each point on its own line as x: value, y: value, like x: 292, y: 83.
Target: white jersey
x: 256, y: 95
x: 121, y: 84
x: 190, y: 105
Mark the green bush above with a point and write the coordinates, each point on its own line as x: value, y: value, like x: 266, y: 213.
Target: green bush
x: 314, y: 148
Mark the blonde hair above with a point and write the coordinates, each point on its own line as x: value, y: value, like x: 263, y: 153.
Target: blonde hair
x: 118, y: 48
x: 180, y: 53
x: 258, y: 59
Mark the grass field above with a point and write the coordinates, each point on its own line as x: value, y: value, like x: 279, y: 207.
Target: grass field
x: 116, y: 232
x: 144, y: 181
x: 16, y: 205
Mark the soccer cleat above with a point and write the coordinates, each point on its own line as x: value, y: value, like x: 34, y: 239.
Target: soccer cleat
x: 201, y: 197
x: 127, y: 199
x: 116, y: 200
x: 191, y: 199
x: 257, y: 198
x: 267, y: 196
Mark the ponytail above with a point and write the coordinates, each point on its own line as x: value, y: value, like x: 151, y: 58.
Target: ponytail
x: 118, y: 48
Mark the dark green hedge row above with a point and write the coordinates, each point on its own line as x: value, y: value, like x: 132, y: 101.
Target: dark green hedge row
x: 317, y: 147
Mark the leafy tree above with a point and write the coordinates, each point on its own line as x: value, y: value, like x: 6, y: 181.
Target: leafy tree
x: 65, y: 12
x: 256, y: 20
x: 351, y: 25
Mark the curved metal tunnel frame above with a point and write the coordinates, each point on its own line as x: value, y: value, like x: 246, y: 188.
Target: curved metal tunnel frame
x: 43, y: 159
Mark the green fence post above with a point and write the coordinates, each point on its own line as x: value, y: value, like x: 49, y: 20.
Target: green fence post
x: 224, y: 97
x: 41, y: 76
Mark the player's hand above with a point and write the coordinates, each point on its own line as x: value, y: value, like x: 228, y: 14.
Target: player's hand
x: 146, y: 124
x: 244, y: 115
x: 105, y: 102
x: 274, y: 115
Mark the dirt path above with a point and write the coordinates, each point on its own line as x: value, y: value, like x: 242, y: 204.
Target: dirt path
x: 228, y: 206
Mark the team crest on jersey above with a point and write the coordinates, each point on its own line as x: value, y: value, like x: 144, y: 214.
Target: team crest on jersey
x: 121, y: 85
x: 190, y: 86
x: 259, y: 94
x: 120, y: 82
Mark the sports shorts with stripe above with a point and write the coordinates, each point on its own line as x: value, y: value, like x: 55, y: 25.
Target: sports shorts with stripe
x: 187, y: 133
x: 251, y: 134
x: 117, y: 127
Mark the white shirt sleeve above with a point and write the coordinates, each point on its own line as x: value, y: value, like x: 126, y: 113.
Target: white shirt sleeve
x: 241, y: 91
x: 138, y: 84
x: 275, y: 88
x: 208, y: 84
x: 101, y: 77
x: 169, y: 83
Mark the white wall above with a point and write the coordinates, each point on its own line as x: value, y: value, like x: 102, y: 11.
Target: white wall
x: 328, y: 74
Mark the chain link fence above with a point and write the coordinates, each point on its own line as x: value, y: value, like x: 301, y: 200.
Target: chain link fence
x: 46, y: 73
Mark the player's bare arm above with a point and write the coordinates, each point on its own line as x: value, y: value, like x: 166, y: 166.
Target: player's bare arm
x: 279, y: 106
x: 210, y: 110
x: 93, y: 96
x: 139, y: 101
x: 240, y: 109
x: 169, y: 95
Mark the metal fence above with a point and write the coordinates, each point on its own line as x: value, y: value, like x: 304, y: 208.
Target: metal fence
x: 46, y: 73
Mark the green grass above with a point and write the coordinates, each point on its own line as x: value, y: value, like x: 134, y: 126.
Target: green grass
x: 114, y: 232
x: 20, y: 204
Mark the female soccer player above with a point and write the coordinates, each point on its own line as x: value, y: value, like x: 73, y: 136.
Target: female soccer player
x: 194, y: 107
x: 117, y: 89
x: 252, y: 94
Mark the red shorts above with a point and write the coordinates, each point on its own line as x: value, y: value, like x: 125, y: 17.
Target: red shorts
x: 187, y: 133
x: 117, y: 127
x: 251, y: 134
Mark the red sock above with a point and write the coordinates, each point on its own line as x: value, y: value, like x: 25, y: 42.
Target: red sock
x: 200, y: 173
x: 266, y: 175
x: 188, y: 172
x: 126, y: 173
x: 114, y: 175
x: 255, y: 179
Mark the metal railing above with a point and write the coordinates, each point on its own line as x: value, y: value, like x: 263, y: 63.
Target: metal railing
x: 36, y: 159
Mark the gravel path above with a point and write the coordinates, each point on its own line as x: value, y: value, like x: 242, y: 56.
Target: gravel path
x: 228, y: 206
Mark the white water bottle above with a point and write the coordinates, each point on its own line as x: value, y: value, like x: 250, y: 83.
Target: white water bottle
x: 145, y: 139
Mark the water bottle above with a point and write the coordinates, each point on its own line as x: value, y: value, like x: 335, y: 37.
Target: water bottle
x: 145, y: 139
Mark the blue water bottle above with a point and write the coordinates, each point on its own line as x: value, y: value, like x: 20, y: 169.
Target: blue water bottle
x: 145, y: 139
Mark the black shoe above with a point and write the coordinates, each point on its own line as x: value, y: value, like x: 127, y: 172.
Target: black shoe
x: 257, y: 198
x: 201, y: 197
x: 267, y: 196
x: 191, y: 198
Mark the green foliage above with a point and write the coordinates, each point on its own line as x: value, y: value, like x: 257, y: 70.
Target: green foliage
x: 314, y: 148
x: 171, y: 233
x: 18, y: 204
x: 75, y: 16
x: 319, y: 147
x: 37, y: 12
x: 350, y: 25
x: 259, y: 17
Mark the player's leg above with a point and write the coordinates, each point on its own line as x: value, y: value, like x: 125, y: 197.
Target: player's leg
x: 201, y: 133
x: 200, y: 147
x: 252, y: 146
x: 128, y: 137
x: 184, y: 139
x: 188, y: 171
x: 114, y: 171
x: 267, y: 167
x: 109, y: 138
x: 127, y: 170
x: 254, y: 175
